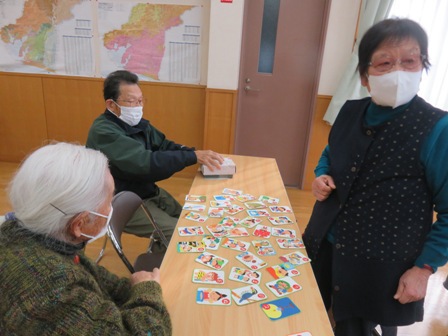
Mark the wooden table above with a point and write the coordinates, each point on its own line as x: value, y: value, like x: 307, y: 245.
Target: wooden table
x: 256, y: 176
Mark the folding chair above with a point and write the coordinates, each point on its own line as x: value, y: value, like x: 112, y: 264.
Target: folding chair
x: 125, y: 204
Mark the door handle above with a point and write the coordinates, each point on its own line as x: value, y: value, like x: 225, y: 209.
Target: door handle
x: 248, y: 88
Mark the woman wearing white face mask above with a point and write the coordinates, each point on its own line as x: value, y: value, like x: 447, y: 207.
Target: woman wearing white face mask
x: 61, y: 196
x: 371, y: 235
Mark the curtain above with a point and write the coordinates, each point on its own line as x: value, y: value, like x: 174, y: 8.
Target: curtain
x: 372, y: 11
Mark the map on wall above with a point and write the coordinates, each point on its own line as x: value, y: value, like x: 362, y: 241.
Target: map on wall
x: 89, y: 38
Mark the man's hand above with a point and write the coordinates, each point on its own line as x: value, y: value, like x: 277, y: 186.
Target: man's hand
x: 412, y: 285
x: 209, y: 158
x: 322, y: 187
x: 141, y: 276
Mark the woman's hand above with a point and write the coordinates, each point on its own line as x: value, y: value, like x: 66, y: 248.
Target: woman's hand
x: 322, y: 187
x: 141, y: 276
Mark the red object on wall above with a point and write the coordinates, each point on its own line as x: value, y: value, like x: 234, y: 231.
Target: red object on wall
x: 228, y: 1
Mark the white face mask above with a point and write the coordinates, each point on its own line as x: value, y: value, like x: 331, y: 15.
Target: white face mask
x: 103, y: 231
x: 394, y: 88
x: 131, y: 115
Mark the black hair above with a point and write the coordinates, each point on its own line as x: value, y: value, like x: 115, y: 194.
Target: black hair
x: 391, y: 30
x: 111, y: 88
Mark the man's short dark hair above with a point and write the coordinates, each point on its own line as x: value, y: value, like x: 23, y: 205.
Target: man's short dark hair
x: 111, y: 88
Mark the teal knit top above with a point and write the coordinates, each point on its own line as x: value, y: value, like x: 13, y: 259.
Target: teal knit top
x: 48, y: 287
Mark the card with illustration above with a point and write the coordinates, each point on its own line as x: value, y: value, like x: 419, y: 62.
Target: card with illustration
x: 196, y: 198
x: 220, y: 204
x: 302, y: 333
x: 190, y: 247
x: 245, y: 275
x: 268, y: 199
x: 194, y: 207
x: 214, y: 296
x: 190, y: 230
x: 238, y: 232
x: 249, y: 222
x: 207, y: 276
x: 229, y: 221
x: 280, y: 220
x: 215, y: 212
x: 232, y: 192
x: 262, y: 231
x: 248, y: 294
x: 211, y: 260
x: 280, y: 308
x: 235, y: 244
x: 280, y: 209
x: 282, y: 270
x: 263, y: 247
x: 283, y: 286
x: 285, y: 233
x: 295, y: 258
x: 258, y: 213
x: 251, y: 261
x: 233, y: 209
x: 245, y: 198
x: 290, y: 243
x: 229, y: 198
x: 255, y: 205
x: 194, y: 216
x: 211, y: 242
x: 218, y: 230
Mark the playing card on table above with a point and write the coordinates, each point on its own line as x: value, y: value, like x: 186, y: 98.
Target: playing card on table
x: 190, y: 230
x: 250, y: 222
x: 262, y: 231
x: 281, y: 232
x: 214, y: 296
x: 233, y: 209
x: 280, y: 208
x: 190, y: 246
x: 229, y: 221
x: 194, y: 207
x: 232, y: 192
x: 215, y: 212
x: 251, y: 260
x: 194, y: 216
x: 218, y: 230
x: 295, y: 258
x: 279, y: 308
x: 290, y: 243
x: 208, y: 276
x: 280, y: 220
x: 268, y: 199
x: 235, y: 244
x: 282, y: 270
x: 263, y: 247
x: 245, y: 275
x: 196, y: 198
x: 258, y: 213
x: 224, y: 198
x: 303, y: 333
x: 211, y: 242
x: 211, y: 260
x: 283, y: 286
x: 238, y: 232
x: 220, y: 204
x: 255, y: 205
x: 248, y: 294
x: 244, y: 198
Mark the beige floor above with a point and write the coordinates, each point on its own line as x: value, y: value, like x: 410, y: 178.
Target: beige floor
x: 436, y: 306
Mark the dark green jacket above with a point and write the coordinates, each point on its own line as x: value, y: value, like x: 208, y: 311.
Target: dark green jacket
x: 48, y: 287
x: 140, y: 155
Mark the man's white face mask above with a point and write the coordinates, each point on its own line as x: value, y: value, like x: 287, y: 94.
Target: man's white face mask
x: 131, y: 115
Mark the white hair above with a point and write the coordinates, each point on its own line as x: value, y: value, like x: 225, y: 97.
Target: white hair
x: 55, y: 183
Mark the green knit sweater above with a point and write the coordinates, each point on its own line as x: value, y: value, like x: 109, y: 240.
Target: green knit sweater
x: 48, y: 287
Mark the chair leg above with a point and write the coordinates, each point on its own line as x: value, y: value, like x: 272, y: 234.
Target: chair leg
x: 100, y: 256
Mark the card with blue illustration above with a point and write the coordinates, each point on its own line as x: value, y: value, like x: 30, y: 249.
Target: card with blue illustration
x: 214, y: 296
x: 284, y: 286
x: 248, y: 294
x: 280, y: 308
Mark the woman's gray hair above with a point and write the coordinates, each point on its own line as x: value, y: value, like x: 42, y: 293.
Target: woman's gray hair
x: 55, y: 183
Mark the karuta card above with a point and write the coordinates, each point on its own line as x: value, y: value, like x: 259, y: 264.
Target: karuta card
x: 208, y: 276
x: 190, y: 230
x: 280, y: 308
x: 195, y: 198
x: 251, y: 261
x: 218, y: 230
x: 244, y: 198
x: 220, y: 204
x: 262, y: 231
x: 211, y: 242
x: 214, y: 296
x: 282, y: 270
x: 238, y: 232
x: 235, y: 244
x: 263, y: 248
x: 245, y: 275
x: 215, y: 212
x: 280, y: 209
x: 285, y: 233
x: 194, y: 216
x: 280, y: 220
x: 290, y: 243
x: 194, y: 207
x: 255, y: 205
x: 258, y: 213
x: 232, y: 192
x: 233, y: 209
x: 211, y: 260
x: 295, y: 258
x: 248, y: 294
x: 249, y: 222
x: 283, y: 286
x: 229, y: 221
x: 190, y: 246
x: 224, y: 198
x: 268, y: 199
x: 303, y: 333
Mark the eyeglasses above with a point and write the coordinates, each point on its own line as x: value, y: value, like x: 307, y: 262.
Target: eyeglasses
x: 385, y: 63
x: 134, y: 102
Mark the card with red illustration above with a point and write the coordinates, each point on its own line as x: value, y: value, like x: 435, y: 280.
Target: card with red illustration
x: 248, y: 294
x: 208, y: 276
x: 215, y: 212
x: 282, y: 270
x: 262, y: 231
x: 263, y: 247
x: 245, y: 275
x: 211, y: 260
x: 218, y: 230
x: 251, y: 260
x: 235, y: 244
x: 284, y: 286
x: 238, y: 232
x: 214, y: 296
